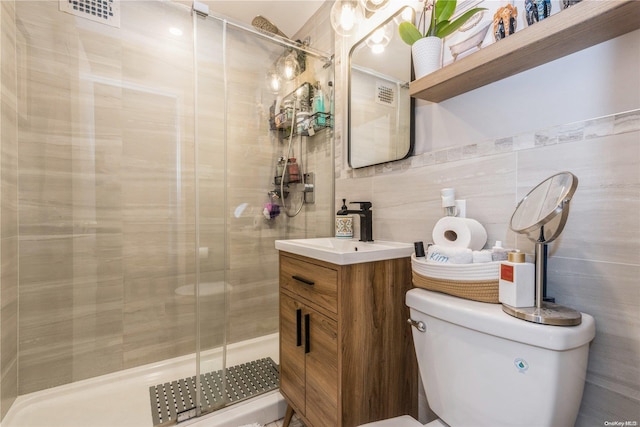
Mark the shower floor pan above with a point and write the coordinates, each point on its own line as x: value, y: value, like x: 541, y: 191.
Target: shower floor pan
x: 175, y: 401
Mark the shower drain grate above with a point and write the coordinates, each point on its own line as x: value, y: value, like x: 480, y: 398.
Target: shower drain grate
x: 175, y: 401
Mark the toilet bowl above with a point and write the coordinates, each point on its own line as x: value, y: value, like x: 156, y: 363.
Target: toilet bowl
x: 481, y: 367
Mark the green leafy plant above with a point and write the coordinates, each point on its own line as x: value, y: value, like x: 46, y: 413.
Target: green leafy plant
x: 440, y: 26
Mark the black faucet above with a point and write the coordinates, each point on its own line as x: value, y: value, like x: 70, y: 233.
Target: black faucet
x: 366, y: 218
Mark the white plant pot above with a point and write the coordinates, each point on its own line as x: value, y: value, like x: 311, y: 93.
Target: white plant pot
x: 427, y: 56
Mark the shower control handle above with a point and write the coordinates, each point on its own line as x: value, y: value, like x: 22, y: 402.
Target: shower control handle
x: 303, y: 280
x: 298, y: 327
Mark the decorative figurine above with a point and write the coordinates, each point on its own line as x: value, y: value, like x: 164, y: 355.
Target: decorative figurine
x: 504, y: 21
x: 537, y: 10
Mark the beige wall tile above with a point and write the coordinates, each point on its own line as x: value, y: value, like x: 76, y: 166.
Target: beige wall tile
x: 475, y: 144
x: 108, y: 191
x: 8, y: 209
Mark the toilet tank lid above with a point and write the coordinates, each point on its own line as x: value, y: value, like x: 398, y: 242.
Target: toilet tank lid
x: 490, y: 319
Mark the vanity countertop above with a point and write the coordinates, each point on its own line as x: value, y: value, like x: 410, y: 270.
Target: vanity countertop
x: 345, y: 251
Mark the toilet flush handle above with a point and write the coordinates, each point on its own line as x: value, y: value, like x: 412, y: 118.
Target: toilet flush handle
x: 418, y: 324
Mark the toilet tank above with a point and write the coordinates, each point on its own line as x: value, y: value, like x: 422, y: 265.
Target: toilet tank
x: 481, y: 367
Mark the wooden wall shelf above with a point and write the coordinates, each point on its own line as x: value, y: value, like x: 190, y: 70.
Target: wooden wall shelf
x: 583, y: 25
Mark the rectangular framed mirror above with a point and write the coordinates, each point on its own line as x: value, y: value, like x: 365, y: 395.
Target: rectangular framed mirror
x: 380, y: 110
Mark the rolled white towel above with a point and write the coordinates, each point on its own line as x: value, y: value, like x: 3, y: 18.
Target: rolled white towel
x: 446, y: 255
x: 482, y: 256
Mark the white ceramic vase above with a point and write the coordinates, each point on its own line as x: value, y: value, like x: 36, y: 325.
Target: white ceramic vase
x: 427, y: 55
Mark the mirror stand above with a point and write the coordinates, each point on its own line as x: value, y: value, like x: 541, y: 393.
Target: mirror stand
x: 544, y: 312
x: 548, y: 201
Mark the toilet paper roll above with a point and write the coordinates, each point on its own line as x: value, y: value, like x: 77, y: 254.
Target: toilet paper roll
x: 455, y: 232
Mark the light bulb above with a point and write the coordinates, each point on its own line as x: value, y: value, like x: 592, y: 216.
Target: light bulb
x: 379, y: 39
x: 345, y: 17
x: 288, y: 66
x: 274, y: 82
x: 377, y: 49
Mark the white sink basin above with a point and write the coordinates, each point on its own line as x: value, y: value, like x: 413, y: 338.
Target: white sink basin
x: 345, y: 251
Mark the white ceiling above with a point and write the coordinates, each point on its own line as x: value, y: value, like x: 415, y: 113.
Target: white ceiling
x: 287, y: 15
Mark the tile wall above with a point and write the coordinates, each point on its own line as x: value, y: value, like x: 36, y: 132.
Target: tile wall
x: 107, y: 192
x: 8, y: 211
x: 580, y: 113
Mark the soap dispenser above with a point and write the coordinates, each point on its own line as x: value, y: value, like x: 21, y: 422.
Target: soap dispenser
x: 344, y: 223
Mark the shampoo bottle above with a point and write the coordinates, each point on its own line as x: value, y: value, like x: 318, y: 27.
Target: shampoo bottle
x: 279, y: 170
x: 516, y: 286
x: 293, y: 170
x: 318, y: 107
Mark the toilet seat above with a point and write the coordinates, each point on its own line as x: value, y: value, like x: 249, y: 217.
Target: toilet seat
x: 404, y: 421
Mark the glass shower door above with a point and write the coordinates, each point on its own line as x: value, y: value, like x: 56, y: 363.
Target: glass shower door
x: 237, y: 262
x: 210, y: 225
x: 237, y: 149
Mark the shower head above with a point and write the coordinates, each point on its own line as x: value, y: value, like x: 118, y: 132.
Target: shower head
x: 263, y: 24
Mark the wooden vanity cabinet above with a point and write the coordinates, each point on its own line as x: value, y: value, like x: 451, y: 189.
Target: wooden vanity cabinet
x: 346, y: 351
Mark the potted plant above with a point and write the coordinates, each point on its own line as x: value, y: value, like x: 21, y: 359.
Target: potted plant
x: 426, y: 45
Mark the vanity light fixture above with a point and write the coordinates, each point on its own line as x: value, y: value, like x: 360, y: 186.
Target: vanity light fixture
x: 346, y: 16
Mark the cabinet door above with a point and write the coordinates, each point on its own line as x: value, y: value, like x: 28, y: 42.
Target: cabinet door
x: 321, y: 370
x: 292, y: 357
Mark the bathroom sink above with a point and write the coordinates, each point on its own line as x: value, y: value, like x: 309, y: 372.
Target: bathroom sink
x: 345, y: 251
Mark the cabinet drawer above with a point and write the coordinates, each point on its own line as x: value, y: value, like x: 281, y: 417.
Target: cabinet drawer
x: 310, y: 281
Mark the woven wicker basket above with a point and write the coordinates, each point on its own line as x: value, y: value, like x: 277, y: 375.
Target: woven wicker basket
x: 483, y: 291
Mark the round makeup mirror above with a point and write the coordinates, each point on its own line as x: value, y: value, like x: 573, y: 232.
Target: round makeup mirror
x: 547, y: 200
x: 542, y: 215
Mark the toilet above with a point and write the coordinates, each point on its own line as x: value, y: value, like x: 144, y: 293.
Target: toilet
x: 482, y: 367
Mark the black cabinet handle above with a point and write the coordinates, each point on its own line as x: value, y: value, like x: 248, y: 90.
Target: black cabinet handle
x: 303, y: 280
x: 298, y: 327
x: 307, y: 344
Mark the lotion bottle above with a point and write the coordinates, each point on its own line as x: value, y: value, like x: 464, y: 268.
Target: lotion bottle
x: 516, y: 286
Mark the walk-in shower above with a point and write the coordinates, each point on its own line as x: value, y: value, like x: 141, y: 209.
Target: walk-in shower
x: 146, y: 160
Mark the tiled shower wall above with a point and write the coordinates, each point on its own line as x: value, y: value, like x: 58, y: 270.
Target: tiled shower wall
x: 107, y: 192
x: 581, y: 114
x: 8, y: 211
